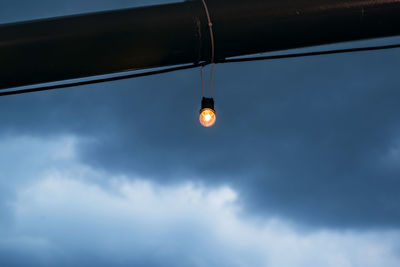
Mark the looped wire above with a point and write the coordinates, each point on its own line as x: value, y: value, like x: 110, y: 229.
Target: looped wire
x: 210, y: 25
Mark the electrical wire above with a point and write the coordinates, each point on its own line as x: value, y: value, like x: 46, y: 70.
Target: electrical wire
x: 211, y: 79
x: 202, y: 81
x: 100, y: 80
x: 309, y: 54
x: 191, y: 66
x: 210, y: 25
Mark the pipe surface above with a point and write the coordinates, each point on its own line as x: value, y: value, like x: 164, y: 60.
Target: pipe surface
x: 156, y: 36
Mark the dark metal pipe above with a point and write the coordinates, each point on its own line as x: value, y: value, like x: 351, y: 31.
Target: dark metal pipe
x: 114, y: 41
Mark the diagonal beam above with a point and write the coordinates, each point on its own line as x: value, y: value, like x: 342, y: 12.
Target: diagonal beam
x: 108, y: 42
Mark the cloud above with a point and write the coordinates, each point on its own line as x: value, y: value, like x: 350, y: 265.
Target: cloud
x: 320, y: 148
x: 313, y: 140
x: 21, y: 160
x: 69, y: 214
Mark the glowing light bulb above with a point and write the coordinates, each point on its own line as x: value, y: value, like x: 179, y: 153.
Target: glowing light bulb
x: 207, y: 112
x: 207, y: 117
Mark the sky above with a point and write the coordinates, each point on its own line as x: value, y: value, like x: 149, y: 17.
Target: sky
x: 301, y: 169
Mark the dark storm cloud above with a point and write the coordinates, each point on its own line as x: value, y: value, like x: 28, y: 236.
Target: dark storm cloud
x: 22, y: 10
x: 315, y: 140
x: 308, y: 139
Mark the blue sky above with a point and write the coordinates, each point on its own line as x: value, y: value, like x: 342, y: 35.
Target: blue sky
x: 301, y: 169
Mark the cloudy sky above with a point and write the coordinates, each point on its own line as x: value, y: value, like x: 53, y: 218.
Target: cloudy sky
x: 302, y: 168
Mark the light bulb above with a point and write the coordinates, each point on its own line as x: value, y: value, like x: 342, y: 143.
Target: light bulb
x: 207, y: 117
x: 207, y: 112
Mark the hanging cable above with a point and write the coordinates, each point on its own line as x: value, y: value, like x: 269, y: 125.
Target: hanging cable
x: 191, y: 66
x: 202, y: 81
x: 99, y: 80
x: 210, y: 26
x: 211, y: 79
x: 212, y: 59
x: 310, y: 54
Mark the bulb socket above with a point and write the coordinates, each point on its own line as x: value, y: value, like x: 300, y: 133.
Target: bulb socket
x: 207, y: 103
